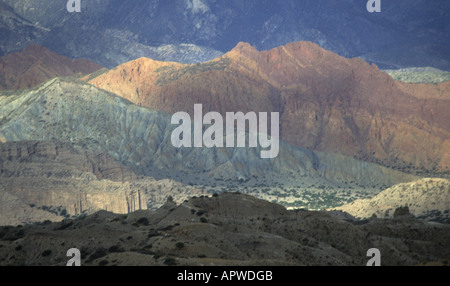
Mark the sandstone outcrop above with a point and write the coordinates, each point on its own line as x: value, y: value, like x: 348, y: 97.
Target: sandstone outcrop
x: 52, y: 180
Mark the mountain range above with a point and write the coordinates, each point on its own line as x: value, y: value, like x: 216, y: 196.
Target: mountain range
x: 140, y: 138
x: 16, y: 32
x: 125, y: 113
x: 111, y: 32
x: 326, y: 102
x: 87, y: 158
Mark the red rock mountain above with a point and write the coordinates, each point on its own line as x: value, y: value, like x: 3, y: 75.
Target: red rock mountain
x: 36, y: 64
x: 326, y: 102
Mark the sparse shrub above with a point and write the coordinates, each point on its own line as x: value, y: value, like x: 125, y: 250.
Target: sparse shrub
x: 116, y: 248
x: 153, y: 233
x: 64, y: 225
x: 401, y: 211
x: 166, y: 228
x: 85, y: 251
x: 46, y: 253
x: 143, y: 221
x: 179, y: 245
x: 98, y: 254
x: 203, y: 220
x: 103, y: 263
x: 170, y: 261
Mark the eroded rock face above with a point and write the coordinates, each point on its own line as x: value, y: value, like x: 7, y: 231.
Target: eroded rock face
x: 63, y: 156
x: 141, y: 138
x: 326, y: 102
x: 50, y: 180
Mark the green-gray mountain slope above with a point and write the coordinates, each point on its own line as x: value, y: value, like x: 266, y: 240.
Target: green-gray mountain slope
x: 140, y: 138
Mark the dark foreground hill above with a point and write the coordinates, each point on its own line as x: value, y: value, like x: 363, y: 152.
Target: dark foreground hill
x: 226, y: 229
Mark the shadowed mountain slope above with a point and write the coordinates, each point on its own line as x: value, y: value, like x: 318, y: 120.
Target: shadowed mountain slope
x: 36, y: 65
x: 141, y: 138
x: 406, y: 33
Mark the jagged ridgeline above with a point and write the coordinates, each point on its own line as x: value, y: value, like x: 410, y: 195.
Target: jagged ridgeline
x: 119, y: 31
x: 140, y: 138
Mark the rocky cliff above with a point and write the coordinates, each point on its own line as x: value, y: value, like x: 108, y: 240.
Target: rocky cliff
x: 51, y: 180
